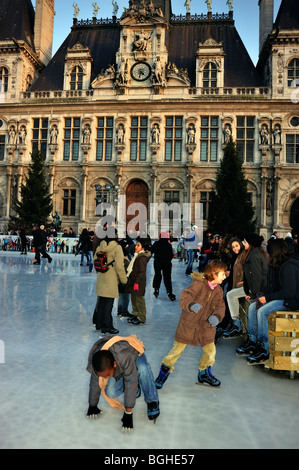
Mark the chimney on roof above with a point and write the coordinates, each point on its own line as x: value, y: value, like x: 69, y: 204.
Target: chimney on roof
x: 266, y: 20
x: 43, y: 29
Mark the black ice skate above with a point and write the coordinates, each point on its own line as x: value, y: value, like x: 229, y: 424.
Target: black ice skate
x: 206, y: 377
x: 162, y: 377
x: 153, y: 410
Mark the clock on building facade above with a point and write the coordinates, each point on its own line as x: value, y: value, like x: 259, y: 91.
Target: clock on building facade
x: 140, y: 71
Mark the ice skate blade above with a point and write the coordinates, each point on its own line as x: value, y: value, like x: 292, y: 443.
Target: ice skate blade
x: 205, y: 385
x: 260, y: 363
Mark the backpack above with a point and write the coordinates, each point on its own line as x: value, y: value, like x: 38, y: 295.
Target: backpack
x: 100, y: 264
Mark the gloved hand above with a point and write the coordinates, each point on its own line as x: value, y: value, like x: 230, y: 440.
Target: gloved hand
x: 93, y: 412
x: 213, y: 320
x: 127, y: 420
x: 136, y: 286
x: 195, y: 308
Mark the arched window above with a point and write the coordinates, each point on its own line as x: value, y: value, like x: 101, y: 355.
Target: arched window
x: 76, y: 78
x: 293, y: 72
x: 209, y: 79
x: 3, y: 80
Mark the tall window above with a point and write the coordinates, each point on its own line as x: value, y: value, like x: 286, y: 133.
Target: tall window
x: 209, y: 77
x: 3, y: 79
x: 76, y: 78
x: 209, y: 138
x: 138, y: 138
x: 245, y: 137
x: 292, y: 148
x: 205, y: 199
x: 104, y: 138
x: 2, y: 147
x: 71, y: 139
x: 69, y: 202
x: 173, y: 138
x: 293, y: 72
x: 40, y: 135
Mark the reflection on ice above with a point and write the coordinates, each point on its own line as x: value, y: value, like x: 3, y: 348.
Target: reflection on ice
x: 46, y: 331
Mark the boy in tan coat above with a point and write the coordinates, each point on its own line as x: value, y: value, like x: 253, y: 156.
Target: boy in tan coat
x: 203, y: 308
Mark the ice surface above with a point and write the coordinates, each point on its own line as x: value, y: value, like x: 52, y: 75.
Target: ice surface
x: 46, y: 330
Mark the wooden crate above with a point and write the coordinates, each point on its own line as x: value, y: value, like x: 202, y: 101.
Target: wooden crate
x: 283, y: 341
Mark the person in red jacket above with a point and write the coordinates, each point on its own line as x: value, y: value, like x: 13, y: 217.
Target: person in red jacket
x: 203, y: 308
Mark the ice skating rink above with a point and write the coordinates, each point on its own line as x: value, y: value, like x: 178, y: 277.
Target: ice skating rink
x: 46, y: 333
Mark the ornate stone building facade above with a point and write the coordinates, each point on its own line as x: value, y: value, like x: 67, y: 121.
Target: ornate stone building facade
x: 141, y: 106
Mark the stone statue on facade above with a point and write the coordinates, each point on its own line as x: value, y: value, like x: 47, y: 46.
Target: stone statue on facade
x: 264, y: 135
x: 86, y: 135
x: 209, y: 4
x: 227, y: 132
x: 230, y: 5
x: 76, y: 10
x: 277, y: 135
x: 155, y: 135
x: 12, y: 136
x: 115, y: 7
x: 95, y: 9
x: 187, y: 4
x: 120, y: 134
x: 22, y: 136
x: 53, y: 135
x: 141, y: 41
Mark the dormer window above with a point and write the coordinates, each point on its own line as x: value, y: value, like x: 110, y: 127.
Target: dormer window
x: 77, y: 68
x: 76, y: 78
x: 209, y: 79
x: 3, y: 79
x: 210, y: 66
x: 293, y: 73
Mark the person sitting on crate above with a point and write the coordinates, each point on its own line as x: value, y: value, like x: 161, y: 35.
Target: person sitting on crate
x: 281, y: 293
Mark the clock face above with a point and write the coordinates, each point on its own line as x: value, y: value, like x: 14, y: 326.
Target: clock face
x: 140, y: 71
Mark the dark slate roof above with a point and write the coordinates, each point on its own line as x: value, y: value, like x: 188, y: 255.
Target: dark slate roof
x: 239, y: 69
x: 288, y: 15
x: 17, y: 20
x: 182, y: 39
x: 103, y: 43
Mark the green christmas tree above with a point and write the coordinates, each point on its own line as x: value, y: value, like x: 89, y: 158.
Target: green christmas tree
x: 36, y: 204
x: 231, y: 212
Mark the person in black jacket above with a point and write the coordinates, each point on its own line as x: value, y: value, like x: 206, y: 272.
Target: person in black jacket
x: 85, y: 246
x: 39, y: 243
x: 281, y: 293
x: 163, y: 254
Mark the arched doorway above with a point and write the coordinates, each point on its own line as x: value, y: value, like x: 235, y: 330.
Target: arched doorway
x: 294, y: 217
x: 137, y: 192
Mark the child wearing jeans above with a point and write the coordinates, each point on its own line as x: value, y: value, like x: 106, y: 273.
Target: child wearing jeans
x: 203, y: 308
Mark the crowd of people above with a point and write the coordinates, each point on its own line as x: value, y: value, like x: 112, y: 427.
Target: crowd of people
x: 224, y: 270
x: 229, y: 268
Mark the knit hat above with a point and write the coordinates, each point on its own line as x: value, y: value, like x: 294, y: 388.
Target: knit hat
x: 289, y: 235
x: 254, y: 239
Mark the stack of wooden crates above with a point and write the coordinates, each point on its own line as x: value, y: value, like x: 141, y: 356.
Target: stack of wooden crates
x: 283, y: 331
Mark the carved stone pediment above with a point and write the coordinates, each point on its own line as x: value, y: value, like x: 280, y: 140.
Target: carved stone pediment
x: 145, y: 12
